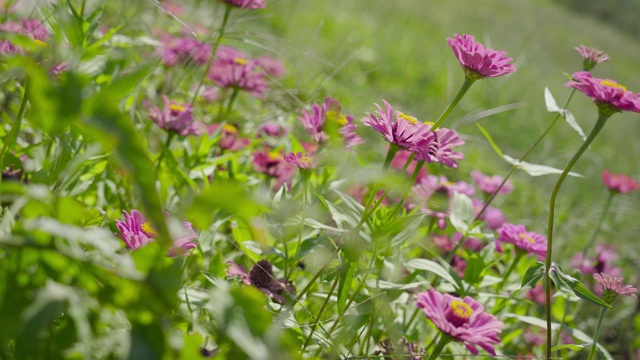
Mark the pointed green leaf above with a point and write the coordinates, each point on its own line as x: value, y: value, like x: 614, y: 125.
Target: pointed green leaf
x: 346, y: 278
x: 571, y: 284
x: 488, y: 137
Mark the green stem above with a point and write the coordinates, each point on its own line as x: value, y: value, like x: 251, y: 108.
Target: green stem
x: 414, y: 176
x: 324, y: 305
x: 13, y: 135
x: 602, y: 119
x: 516, y: 260
x: 524, y: 157
x: 232, y: 99
x: 439, y: 347
x: 597, y: 230
x: 463, y: 89
x: 305, y: 183
x: 214, y: 49
x: 594, y: 347
x: 170, y: 135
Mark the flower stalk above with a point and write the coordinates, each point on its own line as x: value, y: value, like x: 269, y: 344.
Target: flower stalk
x: 463, y: 90
x: 594, y: 347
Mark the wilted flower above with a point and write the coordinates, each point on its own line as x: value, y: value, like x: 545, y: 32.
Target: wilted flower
x: 299, y: 160
x: 262, y: 277
x: 477, y: 61
x: 175, y: 117
x: 247, y: 4
x: 613, y: 287
x: 489, y: 184
x: 232, y: 69
x: 608, y: 95
x: 464, y: 320
x: 522, y: 239
x: 591, y: 56
x: 184, y: 50
x: 137, y: 232
x: 619, y: 183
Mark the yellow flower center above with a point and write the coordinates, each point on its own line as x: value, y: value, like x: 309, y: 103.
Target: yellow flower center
x: 176, y: 107
x: 146, y: 227
x: 613, y: 85
x: 40, y: 42
x: 410, y: 119
x: 240, y: 61
x: 526, y: 237
x: 461, y: 309
x: 429, y: 123
x: 305, y: 161
x: 230, y: 128
x: 275, y: 154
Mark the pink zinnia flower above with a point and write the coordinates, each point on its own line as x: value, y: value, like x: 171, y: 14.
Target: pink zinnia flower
x: 185, y: 50
x: 32, y: 28
x: 315, y: 121
x: 137, y: 232
x: 435, y: 197
x: 462, y: 319
x: 477, y: 61
x: 247, y: 4
x: 272, y: 163
x: 232, y: 69
x: 272, y: 129
x: 518, y: 235
x: 400, y: 160
x: 489, y: 184
x: 613, y: 287
x: 7, y: 47
x: 605, y: 92
x: 591, y: 56
x: 262, y: 277
x: 299, y: 160
x: 602, y: 262
x: 619, y: 183
x: 176, y: 117
x: 270, y: 66
x: 229, y: 139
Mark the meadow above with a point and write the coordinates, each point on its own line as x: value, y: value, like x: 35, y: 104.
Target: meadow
x: 304, y: 179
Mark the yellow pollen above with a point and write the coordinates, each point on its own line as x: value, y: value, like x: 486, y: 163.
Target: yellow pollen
x: 305, y: 160
x: 39, y: 42
x: 342, y: 120
x: 410, y: 119
x: 429, y: 123
x: 230, y: 128
x: 275, y: 154
x: 613, y: 85
x: 526, y: 237
x: 240, y: 61
x: 146, y: 227
x: 461, y: 309
x: 176, y: 107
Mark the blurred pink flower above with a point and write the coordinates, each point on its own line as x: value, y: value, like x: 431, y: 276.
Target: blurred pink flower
x: 7, y: 47
x: 184, y: 50
x: 247, y: 4
x: 400, y: 160
x: 605, y: 92
x: 489, y: 184
x: 232, y: 69
x: 176, y: 117
x: 137, y: 232
x: 619, y: 183
x: 591, y: 56
x: 462, y: 319
x: 313, y: 122
x: 272, y: 129
x: 442, y: 152
x: 330, y: 111
x: 537, y: 295
x: 602, y: 262
x: 32, y: 28
x: 613, y: 287
x: 299, y: 160
x: 229, y: 139
x: 493, y: 217
x: 518, y: 235
x: 262, y: 277
x: 270, y: 66
x: 272, y: 163
x: 477, y: 61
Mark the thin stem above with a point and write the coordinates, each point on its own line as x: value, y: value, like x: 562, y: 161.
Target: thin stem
x: 594, y: 347
x: 214, y: 49
x: 414, y: 176
x: 305, y: 186
x: 516, y: 260
x: 170, y: 135
x: 11, y: 139
x: 524, y: 157
x: 232, y: 99
x: 602, y: 119
x: 324, y: 305
x: 463, y: 89
x: 597, y: 230
x: 439, y: 347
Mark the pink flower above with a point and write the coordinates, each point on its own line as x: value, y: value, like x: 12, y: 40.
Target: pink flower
x: 313, y: 122
x: 605, y: 92
x: 7, y: 47
x: 176, y: 117
x: 270, y: 66
x: 435, y: 198
x: 602, y: 262
x: 477, y: 61
x: 32, y: 28
x: 445, y: 140
x: 591, y: 56
x: 619, y: 183
x: 272, y: 163
x: 137, y: 232
x: 262, y: 277
x: 229, y: 139
x: 232, y: 69
x: 537, y: 295
x: 300, y: 161
x: 522, y: 239
x: 400, y: 160
x: 489, y: 184
x: 272, y: 129
x: 462, y: 319
x: 247, y: 4
x: 330, y: 111
x: 185, y: 50
x: 613, y: 287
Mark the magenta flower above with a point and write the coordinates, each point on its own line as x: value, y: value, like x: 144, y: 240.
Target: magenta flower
x: 232, y: 69
x: 137, y: 232
x: 618, y: 183
x: 462, y: 319
x: 272, y: 67
x: 262, y: 277
x: 591, y: 56
x: 247, y: 4
x: 400, y: 160
x: 613, y: 287
x: 522, y: 239
x: 602, y: 262
x: 477, y: 61
x: 315, y: 121
x: 489, y: 184
x: 445, y: 140
x: 7, y: 47
x: 272, y: 129
x: 404, y: 131
x: 537, y: 295
x: 229, y: 139
x: 176, y: 117
x: 605, y: 92
x: 272, y: 163
x: 185, y: 50
x: 300, y: 161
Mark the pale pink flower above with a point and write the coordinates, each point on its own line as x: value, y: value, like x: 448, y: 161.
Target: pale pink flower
x: 537, y: 295
x: 605, y: 92
x: 477, y: 61
x: 247, y: 4
x: 299, y: 160
x: 176, y: 117
x: 272, y: 67
x: 462, y: 319
x: 619, y: 183
x: 489, y: 184
x: 400, y: 160
x: 518, y: 235
x: 602, y: 262
x: 613, y: 287
x: 272, y: 129
x: 32, y: 28
x: 232, y: 69
x: 184, y: 50
x: 591, y: 56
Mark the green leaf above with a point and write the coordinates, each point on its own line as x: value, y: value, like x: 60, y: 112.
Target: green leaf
x: 535, y: 169
x: 488, y: 137
x: 430, y: 266
x: 475, y: 271
x: 574, y: 347
x: 347, y: 274
x: 571, y: 284
x: 533, y: 274
x: 462, y: 213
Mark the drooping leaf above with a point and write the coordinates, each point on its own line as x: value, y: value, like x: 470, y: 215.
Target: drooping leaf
x: 488, y: 137
x: 536, y: 170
